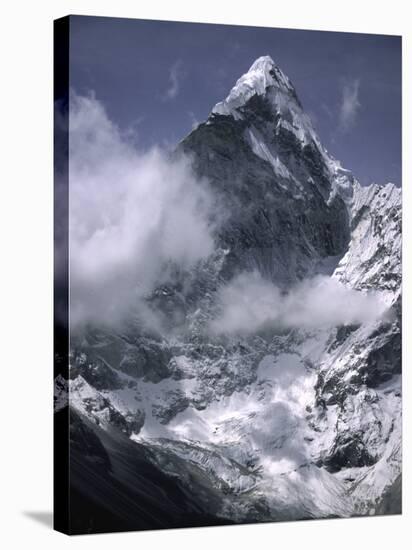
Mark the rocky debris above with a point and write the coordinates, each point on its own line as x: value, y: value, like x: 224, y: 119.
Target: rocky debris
x: 95, y: 371
x: 99, y: 408
x: 146, y: 358
x: 174, y: 403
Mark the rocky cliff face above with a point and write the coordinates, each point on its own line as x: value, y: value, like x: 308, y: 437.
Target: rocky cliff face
x: 283, y: 194
x: 285, y: 422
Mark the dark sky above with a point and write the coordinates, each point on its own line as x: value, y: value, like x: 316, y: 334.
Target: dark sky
x: 158, y: 78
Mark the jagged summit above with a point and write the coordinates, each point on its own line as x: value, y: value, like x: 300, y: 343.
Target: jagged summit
x: 262, y: 63
x: 274, y: 76
x: 263, y: 74
x: 267, y: 111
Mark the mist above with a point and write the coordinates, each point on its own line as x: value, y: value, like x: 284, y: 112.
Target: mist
x: 250, y: 303
x: 132, y: 214
x: 135, y: 214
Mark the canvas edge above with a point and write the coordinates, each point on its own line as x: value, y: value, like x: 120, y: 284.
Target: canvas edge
x: 61, y: 447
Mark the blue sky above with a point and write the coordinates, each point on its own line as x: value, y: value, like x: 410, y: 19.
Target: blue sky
x: 156, y: 79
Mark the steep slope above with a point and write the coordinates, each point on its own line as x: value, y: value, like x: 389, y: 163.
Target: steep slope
x: 115, y: 486
x: 281, y: 423
x: 362, y: 374
x: 373, y: 259
x: 283, y: 194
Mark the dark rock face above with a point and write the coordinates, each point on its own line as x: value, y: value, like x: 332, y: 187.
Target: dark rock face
x: 127, y: 424
x: 384, y: 361
x: 136, y: 355
x: 176, y: 403
x: 95, y: 372
x: 85, y: 441
x: 342, y: 333
x: 115, y: 486
x: 146, y: 359
x: 349, y: 451
x: 267, y: 227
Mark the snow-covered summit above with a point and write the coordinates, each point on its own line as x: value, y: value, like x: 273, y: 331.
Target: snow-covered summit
x: 263, y: 73
x: 265, y: 100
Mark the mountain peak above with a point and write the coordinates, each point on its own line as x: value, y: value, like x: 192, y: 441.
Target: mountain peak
x: 263, y: 73
x: 275, y: 124
x: 262, y: 63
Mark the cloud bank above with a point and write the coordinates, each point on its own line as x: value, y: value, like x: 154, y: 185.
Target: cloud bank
x: 131, y: 215
x: 250, y: 303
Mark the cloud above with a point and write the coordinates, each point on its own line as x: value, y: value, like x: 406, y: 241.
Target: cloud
x: 194, y: 121
x: 175, y: 75
x: 131, y: 214
x: 250, y: 303
x: 350, y: 104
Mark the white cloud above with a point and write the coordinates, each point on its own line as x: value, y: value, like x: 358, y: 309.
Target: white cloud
x: 194, y: 121
x: 131, y: 214
x: 250, y: 303
x: 175, y: 75
x: 350, y: 104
